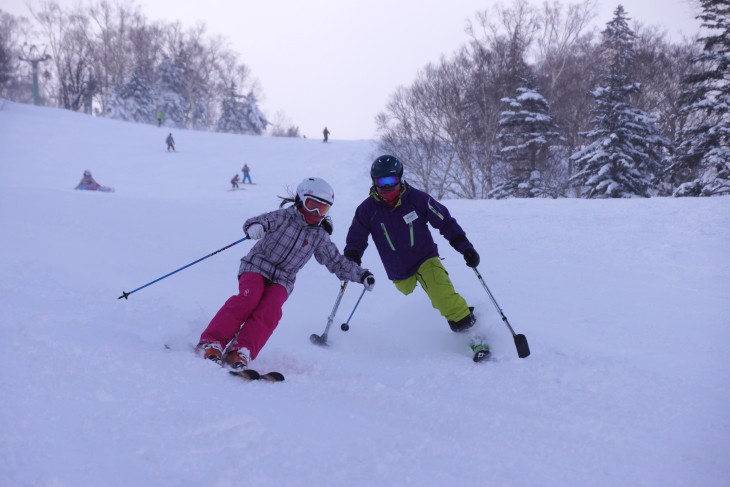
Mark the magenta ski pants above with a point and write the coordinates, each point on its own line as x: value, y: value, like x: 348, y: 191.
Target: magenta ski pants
x: 252, y: 314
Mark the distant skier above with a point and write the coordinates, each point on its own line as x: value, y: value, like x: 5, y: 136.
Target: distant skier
x: 288, y: 237
x: 89, y: 183
x: 170, y: 143
x: 234, y: 181
x: 160, y: 118
x: 396, y: 216
x: 246, y: 174
x: 326, y: 134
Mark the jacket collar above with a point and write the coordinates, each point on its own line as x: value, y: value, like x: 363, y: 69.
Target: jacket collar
x: 380, y: 201
x: 299, y: 217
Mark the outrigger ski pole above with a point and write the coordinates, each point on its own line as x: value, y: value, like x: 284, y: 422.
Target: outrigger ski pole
x: 322, y: 339
x: 523, y: 349
x: 126, y: 295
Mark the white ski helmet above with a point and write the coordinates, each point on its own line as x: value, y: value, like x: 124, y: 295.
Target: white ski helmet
x: 316, y: 188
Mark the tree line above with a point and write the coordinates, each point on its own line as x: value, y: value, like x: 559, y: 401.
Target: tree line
x: 535, y: 104
x: 538, y: 105
x: 109, y: 59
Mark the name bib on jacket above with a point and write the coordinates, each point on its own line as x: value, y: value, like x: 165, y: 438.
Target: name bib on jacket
x: 410, y: 217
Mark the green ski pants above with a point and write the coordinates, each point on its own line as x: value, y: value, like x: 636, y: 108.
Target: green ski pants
x: 435, y: 281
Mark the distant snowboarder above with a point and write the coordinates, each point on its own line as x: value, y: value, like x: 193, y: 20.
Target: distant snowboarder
x: 246, y: 174
x: 326, y: 134
x: 170, y: 143
x: 234, y: 181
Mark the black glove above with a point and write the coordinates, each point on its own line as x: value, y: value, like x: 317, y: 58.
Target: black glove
x: 471, y: 257
x: 327, y: 225
x: 368, y: 280
x: 353, y: 256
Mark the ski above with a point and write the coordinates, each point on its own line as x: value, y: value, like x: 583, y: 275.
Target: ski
x: 246, y: 374
x: 250, y: 375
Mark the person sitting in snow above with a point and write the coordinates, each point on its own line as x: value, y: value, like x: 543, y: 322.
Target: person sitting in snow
x: 287, y: 239
x: 170, y: 142
x: 234, y: 181
x: 89, y: 183
x: 396, y: 216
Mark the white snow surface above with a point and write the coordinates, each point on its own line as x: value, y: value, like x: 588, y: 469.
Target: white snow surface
x: 625, y: 304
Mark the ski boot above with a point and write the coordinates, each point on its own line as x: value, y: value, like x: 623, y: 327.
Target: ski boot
x: 465, y: 323
x: 237, y: 359
x: 210, y: 351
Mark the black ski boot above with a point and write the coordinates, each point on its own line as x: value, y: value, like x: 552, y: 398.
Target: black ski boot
x: 464, y: 323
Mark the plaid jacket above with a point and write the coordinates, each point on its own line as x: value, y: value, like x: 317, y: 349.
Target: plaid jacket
x: 288, y: 244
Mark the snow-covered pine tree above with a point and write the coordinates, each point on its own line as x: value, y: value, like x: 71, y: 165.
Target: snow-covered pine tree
x: 526, y: 132
x: 170, y: 91
x: 622, y: 160
x: 241, y: 114
x: 201, y: 117
x: 703, y: 157
x: 132, y: 101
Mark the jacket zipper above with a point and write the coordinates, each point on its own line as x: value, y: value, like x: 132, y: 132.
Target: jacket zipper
x: 387, y: 237
x: 294, y: 243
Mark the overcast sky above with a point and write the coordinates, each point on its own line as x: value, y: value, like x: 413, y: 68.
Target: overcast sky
x: 334, y: 63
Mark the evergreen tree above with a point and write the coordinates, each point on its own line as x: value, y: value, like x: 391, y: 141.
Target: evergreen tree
x: 241, y: 114
x: 170, y: 93
x: 7, y: 60
x: 201, y: 116
x: 704, y: 149
x: 623, y: 158
x: 132, y: 101
x: 525, y: 135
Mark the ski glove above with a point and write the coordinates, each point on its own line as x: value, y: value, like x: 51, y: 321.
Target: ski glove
x: 353, y: 256
x: 471, y: 257
x: 255, y: 231
x: 368, y: 280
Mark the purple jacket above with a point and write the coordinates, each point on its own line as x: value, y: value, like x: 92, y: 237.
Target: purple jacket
x: 401, y: 233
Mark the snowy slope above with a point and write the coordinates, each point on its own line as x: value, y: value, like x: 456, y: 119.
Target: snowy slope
x: 624, y: 303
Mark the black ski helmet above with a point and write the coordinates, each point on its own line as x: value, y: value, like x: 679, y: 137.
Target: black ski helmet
x: 386, y: 166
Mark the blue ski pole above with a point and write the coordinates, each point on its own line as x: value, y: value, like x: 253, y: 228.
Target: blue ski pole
x: 126, y: 295
x: 346, y: 325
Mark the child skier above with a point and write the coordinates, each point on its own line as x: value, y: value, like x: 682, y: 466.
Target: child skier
x: 234, y: 181
x: 170, y: 142
x: 287, y: 239
x: 396, y: 216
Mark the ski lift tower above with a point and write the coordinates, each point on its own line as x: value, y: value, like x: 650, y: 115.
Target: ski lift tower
x: 34, y: 57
